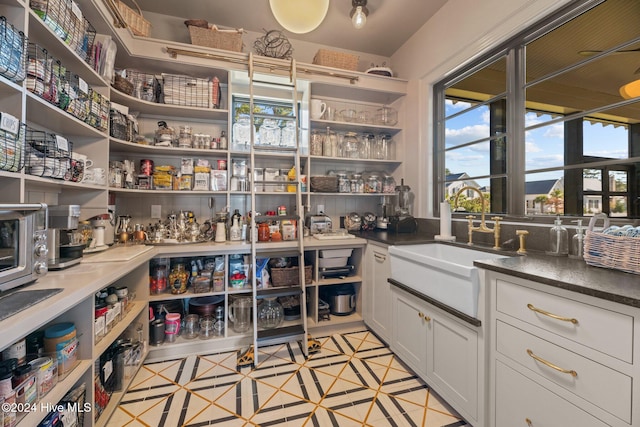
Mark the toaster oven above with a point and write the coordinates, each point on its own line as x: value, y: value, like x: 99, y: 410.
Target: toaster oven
x: 23, y: 244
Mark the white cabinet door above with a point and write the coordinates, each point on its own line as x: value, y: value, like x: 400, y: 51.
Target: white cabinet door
x: 452, y: 361
x: 380, y: 289
x: 409, y: 336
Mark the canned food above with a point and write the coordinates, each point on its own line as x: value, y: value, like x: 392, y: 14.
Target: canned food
x: 222, y: 165
x: 146, y: 167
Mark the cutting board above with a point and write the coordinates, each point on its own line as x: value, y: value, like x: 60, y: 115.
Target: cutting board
x: 118, y: 253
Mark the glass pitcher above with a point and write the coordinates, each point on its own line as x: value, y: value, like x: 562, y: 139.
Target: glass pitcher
x: 240, y: 314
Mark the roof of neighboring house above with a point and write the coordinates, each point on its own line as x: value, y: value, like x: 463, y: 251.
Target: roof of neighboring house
x: 454, y: 177
x: 540, y: 187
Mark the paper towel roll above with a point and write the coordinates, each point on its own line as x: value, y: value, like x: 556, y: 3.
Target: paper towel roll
x: 445, y: 219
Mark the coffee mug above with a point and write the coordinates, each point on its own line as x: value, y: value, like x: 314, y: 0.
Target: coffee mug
x: 317, y: 108
x: 82, y: 157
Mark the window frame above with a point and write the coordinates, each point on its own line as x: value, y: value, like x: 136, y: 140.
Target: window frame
x: 514, y: 50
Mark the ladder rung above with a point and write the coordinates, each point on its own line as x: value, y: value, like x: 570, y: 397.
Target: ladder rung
x: 273, y: 116
x: 275, y: 148
x: 263, y: 82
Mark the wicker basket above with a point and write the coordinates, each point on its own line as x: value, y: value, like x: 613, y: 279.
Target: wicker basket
x: 134, y: 19
x: 215, y: 38
x: 122, y: 84
x: 324, y: 184
x: 289, y: 276
x: 616, y: 252
x: 330, y: 58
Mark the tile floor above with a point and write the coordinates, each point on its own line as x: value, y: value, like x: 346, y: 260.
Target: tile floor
x: 355, y: 380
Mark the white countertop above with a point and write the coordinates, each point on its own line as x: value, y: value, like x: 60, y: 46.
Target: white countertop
x: 85, y: 279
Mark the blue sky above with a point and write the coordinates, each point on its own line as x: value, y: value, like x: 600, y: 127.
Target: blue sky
x: 544, y: 145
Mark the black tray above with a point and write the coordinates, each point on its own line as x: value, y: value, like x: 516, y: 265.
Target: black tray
x: 329, y: 272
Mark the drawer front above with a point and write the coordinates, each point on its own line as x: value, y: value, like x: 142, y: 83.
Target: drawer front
x: 522, y: 402
x: 592, y: 325
x: 594, y: 382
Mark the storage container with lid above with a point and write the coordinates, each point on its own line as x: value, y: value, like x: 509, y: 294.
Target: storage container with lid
x: 61, y: 340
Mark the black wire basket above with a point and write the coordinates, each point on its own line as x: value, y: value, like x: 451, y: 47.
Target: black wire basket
x: 13, y: 51
x: 12, y: 147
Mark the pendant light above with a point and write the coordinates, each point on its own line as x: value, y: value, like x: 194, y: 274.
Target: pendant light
x: 299, y: 16
x: 630, y: 90
x: 359, y: 13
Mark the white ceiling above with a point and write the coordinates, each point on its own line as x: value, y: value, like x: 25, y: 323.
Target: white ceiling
x: 389, y: 24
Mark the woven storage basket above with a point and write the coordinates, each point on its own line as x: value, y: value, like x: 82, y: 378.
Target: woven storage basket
x: 330, y: 58
x: 289, y: 276
x: 134, y: 19
x: 616, y: 252
x: 324, y: 184
x: 215, y: 38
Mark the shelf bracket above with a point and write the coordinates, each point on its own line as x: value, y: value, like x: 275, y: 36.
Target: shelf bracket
x: 174, y: 52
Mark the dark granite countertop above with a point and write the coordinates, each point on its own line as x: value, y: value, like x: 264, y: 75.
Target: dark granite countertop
x: 563, y: 272
x: 570, y: 274
x: 390, y: 238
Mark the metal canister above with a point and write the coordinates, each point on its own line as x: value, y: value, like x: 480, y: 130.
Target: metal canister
x: 146, y: 167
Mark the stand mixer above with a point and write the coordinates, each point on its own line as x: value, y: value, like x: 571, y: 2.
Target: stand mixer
x: 402, y: 221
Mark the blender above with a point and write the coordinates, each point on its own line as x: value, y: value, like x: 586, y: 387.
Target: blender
x: 402, y: 221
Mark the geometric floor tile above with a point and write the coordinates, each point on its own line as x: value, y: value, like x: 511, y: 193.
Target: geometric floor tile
x: 354, y: 380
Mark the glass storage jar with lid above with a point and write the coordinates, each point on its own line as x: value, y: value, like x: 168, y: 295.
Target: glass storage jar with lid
x: 388, y: 184
x: 373, y: 184
x: 344, y: 186
x: 351, y: 145
x: 270, y: 133
x: 357, y: 183
x: 241, y: 133
x: 330, y: 144
x: 270, y: 313
x: 316, y: 142
x: 288, y: 135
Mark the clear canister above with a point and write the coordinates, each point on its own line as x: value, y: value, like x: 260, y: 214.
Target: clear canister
x: 388, y: 184
x: 373, y: 184
x: 344, y: 185
x: 316, y: 143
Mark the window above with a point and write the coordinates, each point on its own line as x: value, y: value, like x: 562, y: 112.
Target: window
x: 540, y: 125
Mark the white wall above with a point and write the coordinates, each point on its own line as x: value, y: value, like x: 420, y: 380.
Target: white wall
x: 461, y: 31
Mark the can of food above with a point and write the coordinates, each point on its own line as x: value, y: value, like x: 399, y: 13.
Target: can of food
x: 17, y: 350
x: 222, y: 165
x: 146, y: 167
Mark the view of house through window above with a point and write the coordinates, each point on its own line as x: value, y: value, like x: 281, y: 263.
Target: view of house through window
x: 563, y: 139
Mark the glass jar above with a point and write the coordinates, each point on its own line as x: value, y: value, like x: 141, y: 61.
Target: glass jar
x: 269, y: 132
x: 263, y: 232
x: 241, y: 133
x: 270, y: 313
x: 388, y: 184
x: 368, y: 141
x: 351, y: 145
x: 185, y: 137
x: 386, y: 116
x: 344, y: 185
x: 359, y: 183
x: 288, y: 135
x: 383, y: 147
x: 316, y: 142
x: 178, y: 279
x: 330, y: 144
x: 373, y: 184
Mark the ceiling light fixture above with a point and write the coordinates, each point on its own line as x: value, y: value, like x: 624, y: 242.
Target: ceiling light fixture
x: 359, y: 13
x: 630, y: 90
x: 299, y: 16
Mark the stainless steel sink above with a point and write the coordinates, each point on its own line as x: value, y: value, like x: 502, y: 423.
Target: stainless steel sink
x: 442, y: 272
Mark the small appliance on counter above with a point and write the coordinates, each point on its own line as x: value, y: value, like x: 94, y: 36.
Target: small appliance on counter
x: 319, y: 224
x: 64, y: 241
x: 104, y: 221
x: 402, y: 221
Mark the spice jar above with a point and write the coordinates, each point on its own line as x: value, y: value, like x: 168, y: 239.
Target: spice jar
x: 178, y: 279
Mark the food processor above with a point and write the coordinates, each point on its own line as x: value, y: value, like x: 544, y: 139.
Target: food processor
x: 402, y: 221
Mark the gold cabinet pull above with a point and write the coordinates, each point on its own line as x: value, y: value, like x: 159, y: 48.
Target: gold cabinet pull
x: 528, y: 421
x: 424, y: 316
x: 379, y: 257
x: 553, y: 316
x: 551, y: 365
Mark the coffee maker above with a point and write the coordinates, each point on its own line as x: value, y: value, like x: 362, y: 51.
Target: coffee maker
x: 402, y: 221
x: 64, y: 241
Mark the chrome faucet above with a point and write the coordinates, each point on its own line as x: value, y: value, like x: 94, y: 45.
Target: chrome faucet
x: 482, y: 228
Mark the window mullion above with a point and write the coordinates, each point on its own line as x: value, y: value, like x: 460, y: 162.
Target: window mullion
x: 515, y: 132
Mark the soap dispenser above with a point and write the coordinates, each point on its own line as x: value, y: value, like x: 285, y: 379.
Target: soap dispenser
x: 577, y: 241
x: 558, y: 239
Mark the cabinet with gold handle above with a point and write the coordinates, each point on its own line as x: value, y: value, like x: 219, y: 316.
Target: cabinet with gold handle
x: 424, y: 316
x: 553, y: 316
x: 551, y: 365
x: 528, y: 421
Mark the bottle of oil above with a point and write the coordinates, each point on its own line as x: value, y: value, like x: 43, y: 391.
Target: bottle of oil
x: 558, y: 239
